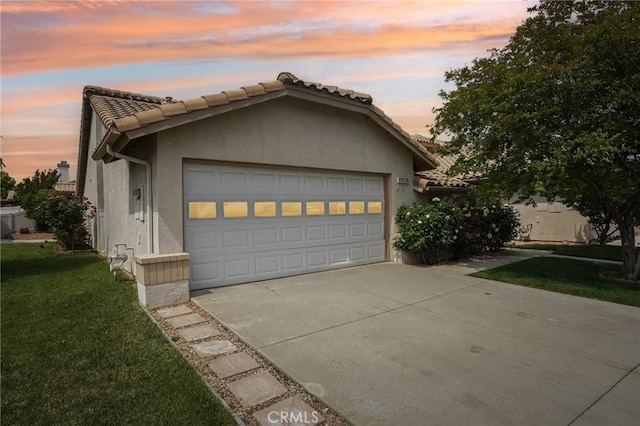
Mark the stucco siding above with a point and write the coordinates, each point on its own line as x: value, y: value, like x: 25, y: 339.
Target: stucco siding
x: 553, y: 221
x: 283, y: 132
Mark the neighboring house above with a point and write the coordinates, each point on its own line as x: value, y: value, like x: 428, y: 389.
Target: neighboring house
x: 280, y: 178
x: 63, y: 184
x: 546, y: 222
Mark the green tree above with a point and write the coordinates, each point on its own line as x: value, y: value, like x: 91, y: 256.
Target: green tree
x: 33, y: 190
x: 556, y: 112
x: 7, y: 183
x: 66, y: 215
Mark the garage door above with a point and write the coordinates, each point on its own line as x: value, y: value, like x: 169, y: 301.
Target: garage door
x: 245, y: 224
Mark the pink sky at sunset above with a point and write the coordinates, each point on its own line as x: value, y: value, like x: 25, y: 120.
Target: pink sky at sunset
x: 396, y: 51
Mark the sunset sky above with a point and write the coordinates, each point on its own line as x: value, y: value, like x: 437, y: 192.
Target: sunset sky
x: 396, y: 51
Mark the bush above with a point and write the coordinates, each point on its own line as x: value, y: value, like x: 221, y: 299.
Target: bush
x: 445, y: 230
x: 66, y: 215
x: 24, y: 230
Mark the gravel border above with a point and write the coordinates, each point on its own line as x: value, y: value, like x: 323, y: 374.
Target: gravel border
x: 219, y: 386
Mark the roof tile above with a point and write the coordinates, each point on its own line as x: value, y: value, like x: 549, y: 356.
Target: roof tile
x: 235, y: 95
x: 174, y: 108
x: 195, y: 104
x: 255, y: 90
x: 272, y: 86
x: 127, y: 123
x: 217, y: 99
x: 150, y: 116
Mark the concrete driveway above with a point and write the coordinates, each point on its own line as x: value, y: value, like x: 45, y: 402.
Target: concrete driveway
x: 391, y: 344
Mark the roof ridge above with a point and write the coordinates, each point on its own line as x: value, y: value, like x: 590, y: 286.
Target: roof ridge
x: 121, y: 94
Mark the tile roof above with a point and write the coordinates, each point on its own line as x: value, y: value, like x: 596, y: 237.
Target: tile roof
x: 111, y: 105
x: 121, y: 112
x: 439, y: 177
x: 65, y: 187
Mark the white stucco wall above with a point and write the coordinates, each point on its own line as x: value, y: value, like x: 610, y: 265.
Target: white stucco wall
x: 284, y: 132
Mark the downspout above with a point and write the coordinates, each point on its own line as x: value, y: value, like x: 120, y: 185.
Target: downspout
x: 147, y: 164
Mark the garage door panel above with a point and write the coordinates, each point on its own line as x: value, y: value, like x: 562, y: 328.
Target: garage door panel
x: 292, y: 235
x: 317, y: 259
x: 267, y: 265
x: 293, y: 262
x: 264, y: 242
x: 239, y: 238
x: 316, y: 233
x: 265, y: 236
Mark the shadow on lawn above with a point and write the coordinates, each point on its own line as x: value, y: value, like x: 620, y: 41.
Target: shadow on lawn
x: 55, y: 264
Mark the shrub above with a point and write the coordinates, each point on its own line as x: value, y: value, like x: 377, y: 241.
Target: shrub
x: 445, y: 230
x: 24, y: 230
x: 429, y: 231
x: 66, y: 215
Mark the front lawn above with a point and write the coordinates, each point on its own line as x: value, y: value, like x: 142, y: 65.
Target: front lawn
x: 77, y: 349
x: 590, y: 251
x: 577, y: 277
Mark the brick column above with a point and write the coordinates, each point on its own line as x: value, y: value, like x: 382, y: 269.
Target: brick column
x: 163, y: 279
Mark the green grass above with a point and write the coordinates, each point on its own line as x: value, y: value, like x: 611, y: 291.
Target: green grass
x: 577, y: 277
x: 590, y: 251
x: 77, y: 349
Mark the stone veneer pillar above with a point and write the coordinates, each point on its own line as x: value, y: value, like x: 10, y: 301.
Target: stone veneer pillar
x: 163, y: 279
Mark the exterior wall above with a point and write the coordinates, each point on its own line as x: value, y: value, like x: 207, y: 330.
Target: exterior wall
x: 553, y: 221
x: 284, y: 132
x: 109, y: 187
x: 93, y: 177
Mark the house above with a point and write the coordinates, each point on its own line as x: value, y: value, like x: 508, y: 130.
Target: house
x: 547, y: 221
x: 63, y: 184
x: 270, y: 180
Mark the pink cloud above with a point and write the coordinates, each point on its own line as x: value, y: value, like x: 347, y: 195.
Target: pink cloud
x: 130, y: 33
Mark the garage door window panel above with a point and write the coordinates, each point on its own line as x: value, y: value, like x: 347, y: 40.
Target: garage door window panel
x: 315, y: 208
x: 264, y: 209
x: 291, y: 208
x: 374, y: 207
x: 202, y: 210
x: 235, y: 209
x: 337, y: 208
x: 356, y: 207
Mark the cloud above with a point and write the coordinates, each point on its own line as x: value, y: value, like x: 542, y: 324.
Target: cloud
x: 98, y: 35
x: 23, y: 155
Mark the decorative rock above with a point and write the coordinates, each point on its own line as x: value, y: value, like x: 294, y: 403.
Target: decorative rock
x: 186, y: 320
x: 198, y: 332
x: 291, y: 411
x: 174, y: 311
x: 233, y: 364
x: 256, y: 389
x: 215, y: 347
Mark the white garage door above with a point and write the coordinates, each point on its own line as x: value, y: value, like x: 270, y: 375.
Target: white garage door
x: 245, y: 224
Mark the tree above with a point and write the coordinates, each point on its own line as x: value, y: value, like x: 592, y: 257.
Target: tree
x: 555, y: 112
x: 33, y: 190
x: 66, y: 215
x: 38, y: 182
x: 7, y: 183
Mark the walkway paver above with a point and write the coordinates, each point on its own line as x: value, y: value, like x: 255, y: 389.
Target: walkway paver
x: 186, y: 320
x: 198, y: 332
x: 214, y: 347
x: 233, y: 364
x: 174, y: 311
x: 256, y: 389
x: 291, y: 411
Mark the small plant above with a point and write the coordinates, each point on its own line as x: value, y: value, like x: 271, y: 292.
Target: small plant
x: 25, y: 230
